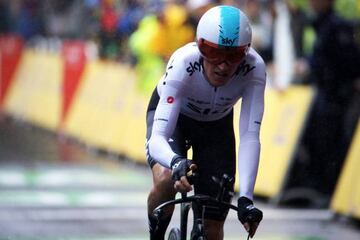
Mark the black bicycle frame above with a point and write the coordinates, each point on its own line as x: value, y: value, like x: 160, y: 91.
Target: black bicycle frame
x: 184, y: 211
x: 200, y: 201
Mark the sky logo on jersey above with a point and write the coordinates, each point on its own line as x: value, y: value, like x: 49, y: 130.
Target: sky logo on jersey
x: 170, y: 99
x: 193, y: 66
x: 229, y: 26
x: 244, y: 68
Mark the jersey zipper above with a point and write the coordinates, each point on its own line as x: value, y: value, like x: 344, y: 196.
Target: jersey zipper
x: 213, y: 99
x: 208, y: 110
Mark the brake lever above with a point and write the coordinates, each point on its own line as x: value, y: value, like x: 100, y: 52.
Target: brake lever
x: 158, y: 213
x: 191, y: 177
x: 215, y: 179
x: 225, y: 186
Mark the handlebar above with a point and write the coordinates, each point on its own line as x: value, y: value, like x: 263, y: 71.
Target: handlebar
x: 225, y: 185
x: 199, y: 198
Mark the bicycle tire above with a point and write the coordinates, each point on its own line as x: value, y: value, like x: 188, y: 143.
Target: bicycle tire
x: 174, y: 234
x: 200, y: 238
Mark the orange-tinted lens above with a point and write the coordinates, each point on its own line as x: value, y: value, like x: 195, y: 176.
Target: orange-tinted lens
x: 217, y: 54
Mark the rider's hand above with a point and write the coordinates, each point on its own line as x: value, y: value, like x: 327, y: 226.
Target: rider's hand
x: 249, y: 215
x: 180, y: 167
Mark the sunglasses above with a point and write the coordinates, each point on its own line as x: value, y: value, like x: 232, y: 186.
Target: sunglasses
x: 216, y: 54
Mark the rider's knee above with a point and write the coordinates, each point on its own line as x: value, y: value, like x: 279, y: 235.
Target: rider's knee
x: 213, y: 223
x: 163, y: 181
x: 214, y: 229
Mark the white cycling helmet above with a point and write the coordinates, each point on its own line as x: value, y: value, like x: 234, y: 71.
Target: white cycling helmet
x: 224, y: 27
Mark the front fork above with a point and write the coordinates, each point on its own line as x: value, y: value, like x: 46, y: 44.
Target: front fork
x: 198, y: 230
x: 185, y: 207
x: 198, y: 225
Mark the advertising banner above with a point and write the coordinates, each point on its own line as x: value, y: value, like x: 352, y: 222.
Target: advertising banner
x: 346, y: 199
x: 284, y: 118
x: 107, y: 112
x: 10, y: 53
x: 73, y: 53
x: 35, y: 94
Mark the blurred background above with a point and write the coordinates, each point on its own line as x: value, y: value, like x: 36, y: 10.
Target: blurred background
x: 75, y: 78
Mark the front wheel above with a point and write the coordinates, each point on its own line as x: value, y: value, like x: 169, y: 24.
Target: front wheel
x: 201, y: 238
x: 174, y: 234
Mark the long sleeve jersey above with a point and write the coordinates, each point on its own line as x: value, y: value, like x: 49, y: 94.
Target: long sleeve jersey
x: 185, y: 89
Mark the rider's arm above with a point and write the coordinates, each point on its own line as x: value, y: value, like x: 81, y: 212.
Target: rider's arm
x: 171, y: 89
x: 252, y: 109
x: 165, y: 119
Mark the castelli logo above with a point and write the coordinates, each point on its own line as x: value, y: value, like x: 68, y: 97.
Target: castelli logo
x: 170, y: 99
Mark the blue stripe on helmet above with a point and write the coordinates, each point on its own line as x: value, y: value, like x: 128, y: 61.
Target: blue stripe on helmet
x: 229, y: 26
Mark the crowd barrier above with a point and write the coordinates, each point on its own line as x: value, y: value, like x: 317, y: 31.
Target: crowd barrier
x: 284, y: 117
x: 10, y: 54
x: 97, y: 102
x: 346, y: 200
x: 74, y: 60
x: 283, y: 122
x: 107, y: 112
x: 34, y: 95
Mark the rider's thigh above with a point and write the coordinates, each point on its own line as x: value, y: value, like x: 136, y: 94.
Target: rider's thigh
x: 163, y: 188
x: 162, y: 179
x: 214, y: 229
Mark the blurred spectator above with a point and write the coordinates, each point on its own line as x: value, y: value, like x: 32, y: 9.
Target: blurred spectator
x: 91, y: 23
x: 349, y: 9
x: 130, y: 17
x: 283, y: 49
x: 4, y: 17
x: 302, y: 36
x: 109, y: 38
x: 196, y: 8
x: 262, y: 17
x: 165, y: 22
x: 273, y: 39
x: 128, y: 22
x: 65, y: 19
x: 30, y: 22
x: 149, y: 66
x: 236, y: 3
x: 172, y: 30
x: 334, y: 67
x: 298, y: 23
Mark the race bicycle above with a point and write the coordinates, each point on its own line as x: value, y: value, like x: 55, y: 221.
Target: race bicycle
x: 197, y: 203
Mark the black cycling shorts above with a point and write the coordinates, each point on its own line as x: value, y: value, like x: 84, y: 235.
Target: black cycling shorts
x: 213, y: 146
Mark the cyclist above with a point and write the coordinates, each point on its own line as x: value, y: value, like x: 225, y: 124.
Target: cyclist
x: 192, y: 105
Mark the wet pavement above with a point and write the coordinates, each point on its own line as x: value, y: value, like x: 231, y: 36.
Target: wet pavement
x: 52, y: 188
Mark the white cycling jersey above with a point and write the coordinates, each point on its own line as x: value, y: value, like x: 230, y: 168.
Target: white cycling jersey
x: 184, y: 89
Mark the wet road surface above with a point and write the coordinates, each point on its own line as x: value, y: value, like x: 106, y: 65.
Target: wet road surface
x: 52, y: 189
